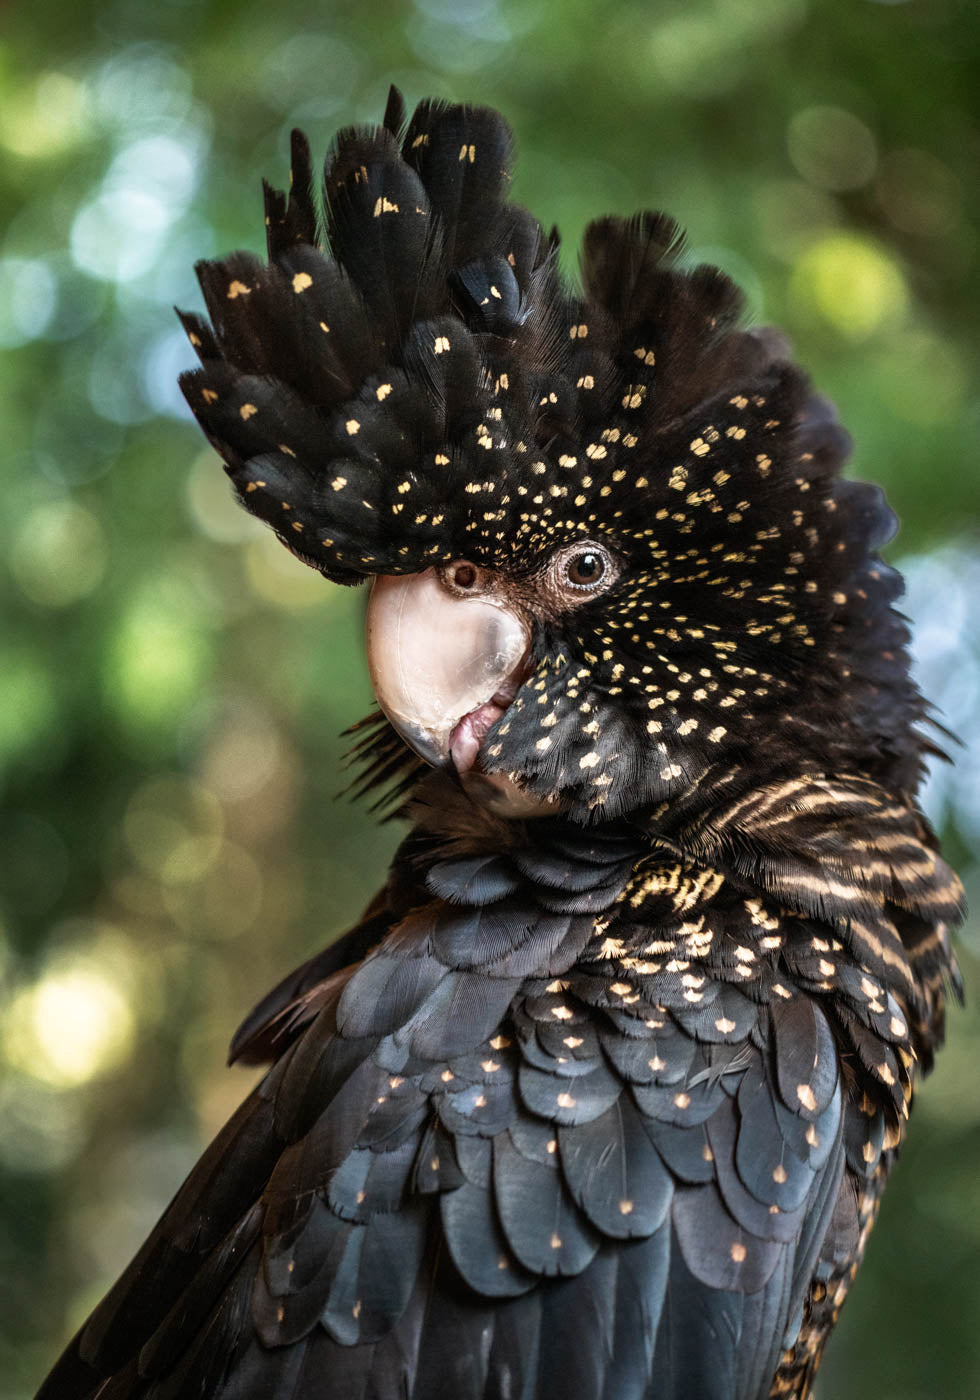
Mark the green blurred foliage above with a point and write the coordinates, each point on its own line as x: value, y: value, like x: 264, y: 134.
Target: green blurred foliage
x: 173, y: 684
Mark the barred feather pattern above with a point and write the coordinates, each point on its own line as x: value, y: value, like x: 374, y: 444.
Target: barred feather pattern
x: 591, y: 1114
x: 599, y: 1105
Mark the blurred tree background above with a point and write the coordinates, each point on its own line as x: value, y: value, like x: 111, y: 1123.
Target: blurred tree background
x: 173, y: 684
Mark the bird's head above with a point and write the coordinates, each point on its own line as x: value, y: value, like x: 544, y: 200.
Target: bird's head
x: 610, y: 547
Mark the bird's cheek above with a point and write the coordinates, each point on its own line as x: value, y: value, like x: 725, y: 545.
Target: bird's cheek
x: 443, y: 666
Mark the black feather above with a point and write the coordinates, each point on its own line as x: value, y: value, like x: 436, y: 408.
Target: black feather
x: 597, y: 1104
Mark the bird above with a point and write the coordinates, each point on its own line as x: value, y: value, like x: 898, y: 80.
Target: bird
x: 599, y: 1098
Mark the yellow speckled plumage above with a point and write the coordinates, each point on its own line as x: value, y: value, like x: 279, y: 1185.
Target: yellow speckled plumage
x: 600, y: 1097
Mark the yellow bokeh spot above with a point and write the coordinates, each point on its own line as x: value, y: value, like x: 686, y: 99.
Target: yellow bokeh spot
x: 924, y: 378
x: 48, y: 116
x: 213, y: 505
x: 278, y: 577
x: 851, y: 283
x: 173, y: 828
x: 156, y: 661
x: 224, y: 901
x: 705, y: 49
x: 832, y: 148
x: 73, y: 1024
x: 27, y: 702
x: 58, y: 554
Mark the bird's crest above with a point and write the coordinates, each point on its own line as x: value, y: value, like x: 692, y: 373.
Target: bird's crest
x: 408, y: 382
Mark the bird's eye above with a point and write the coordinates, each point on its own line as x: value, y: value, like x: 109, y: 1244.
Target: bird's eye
x: 580, y: 572
x: 585, y: 569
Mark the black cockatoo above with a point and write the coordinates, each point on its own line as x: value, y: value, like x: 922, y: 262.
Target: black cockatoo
x: 598, y: 1100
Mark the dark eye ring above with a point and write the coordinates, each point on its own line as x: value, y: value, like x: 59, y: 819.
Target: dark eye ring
x: 585, y: 569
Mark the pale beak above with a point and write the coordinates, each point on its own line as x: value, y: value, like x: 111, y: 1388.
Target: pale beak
x: 445, y: 665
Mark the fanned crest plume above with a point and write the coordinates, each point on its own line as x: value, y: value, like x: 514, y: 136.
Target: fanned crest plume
x: 428, y: 389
